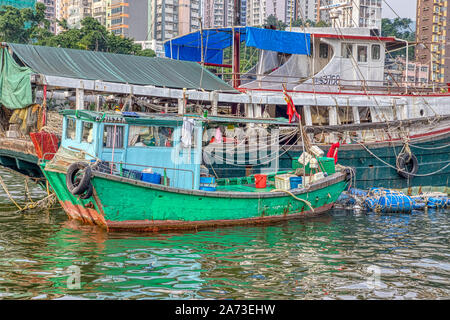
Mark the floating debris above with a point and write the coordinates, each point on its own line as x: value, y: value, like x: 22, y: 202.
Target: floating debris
x: 391, y: 201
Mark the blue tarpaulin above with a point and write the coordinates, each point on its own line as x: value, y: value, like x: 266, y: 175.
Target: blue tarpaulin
x: 280, y: 41
x: 188, y: 47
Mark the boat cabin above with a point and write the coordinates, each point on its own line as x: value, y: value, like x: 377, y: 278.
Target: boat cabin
x: 348, y: 57
x: 180, y: 149
x: 129, y: 142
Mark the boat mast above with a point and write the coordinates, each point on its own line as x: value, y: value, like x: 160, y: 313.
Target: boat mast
x: 236, y: 43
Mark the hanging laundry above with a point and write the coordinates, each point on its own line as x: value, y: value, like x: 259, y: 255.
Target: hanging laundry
x: 218, y: 137
x: 186, y: 132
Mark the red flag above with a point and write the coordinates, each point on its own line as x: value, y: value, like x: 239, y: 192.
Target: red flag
x: 333, y: 152
x: 291, y: 111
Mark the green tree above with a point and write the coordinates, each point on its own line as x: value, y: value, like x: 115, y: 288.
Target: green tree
x: 399, y: 28
x: 273, y: 21
x: 29, y: 26
x: 23, y: 26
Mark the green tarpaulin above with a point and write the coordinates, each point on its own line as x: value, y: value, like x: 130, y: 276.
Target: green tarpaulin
x: 15, y: 84
x: 119, y: 68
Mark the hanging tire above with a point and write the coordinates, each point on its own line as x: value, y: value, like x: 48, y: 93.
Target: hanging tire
x: 89, y: 192
x: 77, y: 185
x: 403, y: 162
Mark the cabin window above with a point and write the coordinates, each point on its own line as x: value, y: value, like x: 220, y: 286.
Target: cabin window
x: 323, y: 50
x: 362, y: 53
x: 87, y: 132
x: 347, y: 50
x: 376, y: 50
x: 71, y: 129
x: 108, y: 136
x: 145, y: 136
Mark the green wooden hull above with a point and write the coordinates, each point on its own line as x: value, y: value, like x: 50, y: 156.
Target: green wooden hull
x: 123, y: 204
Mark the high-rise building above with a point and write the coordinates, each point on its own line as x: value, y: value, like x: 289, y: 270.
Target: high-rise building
x: 433, y: 38
x: 356, y: 14
x: 217, y: 13
x: 284, y: 10
x: 256, y: 12
x: 99, y: 9
x: 220, y: 13
x: 172, y: 18
x: 21, y: 4
x: 50, y: 13
x: 308, y: 10
x: 73, y: 11
x: 128, y: 18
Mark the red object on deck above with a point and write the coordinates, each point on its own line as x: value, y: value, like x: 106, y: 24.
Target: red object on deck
x: 333, y: 152
x: 45, y: 143
x: 260, y: 181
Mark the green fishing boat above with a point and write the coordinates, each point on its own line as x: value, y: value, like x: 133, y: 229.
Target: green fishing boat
x: 140, y: 172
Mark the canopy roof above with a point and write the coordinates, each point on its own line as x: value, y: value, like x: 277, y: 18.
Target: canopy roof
x: 138, y: 118
x: 118, y: 68
x: 189, y: 46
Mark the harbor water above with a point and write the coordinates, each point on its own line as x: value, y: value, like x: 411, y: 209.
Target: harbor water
x: 339, y: 255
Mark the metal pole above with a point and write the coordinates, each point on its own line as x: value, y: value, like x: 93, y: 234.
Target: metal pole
x: 201, y: 44
x: 236, y: 44
x: 407, y: 65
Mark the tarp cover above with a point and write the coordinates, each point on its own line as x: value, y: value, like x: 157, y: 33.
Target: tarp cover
x: 119, y: 68
x: 280, y: 41
x: 15, y: 85
x: 188, y: 47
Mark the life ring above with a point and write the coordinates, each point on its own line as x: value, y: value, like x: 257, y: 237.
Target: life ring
x: 403, y: 160
x: 77, y: 185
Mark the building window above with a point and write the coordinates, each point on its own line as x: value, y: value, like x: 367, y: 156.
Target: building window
x: 347, y: 50
x: 362, y: 53
x: 376, y: 49
x: 108, y: 134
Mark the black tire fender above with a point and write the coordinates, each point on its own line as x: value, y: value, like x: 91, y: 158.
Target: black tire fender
x: 402, y: 165
x: 83, y: 182
x: 89, y: 192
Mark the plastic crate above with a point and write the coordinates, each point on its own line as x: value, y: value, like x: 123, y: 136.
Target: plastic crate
x: 282, y: 181
x: 132, y: 174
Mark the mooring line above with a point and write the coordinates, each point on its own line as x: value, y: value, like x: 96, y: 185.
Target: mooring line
x: 9, y: 195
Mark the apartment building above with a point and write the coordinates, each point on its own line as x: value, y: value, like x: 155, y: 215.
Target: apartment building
x: 395, y: 72
x: 356, y: 13
x: 128, y: 18
x: 433, y: 37
x: 308, y: 10
x: 217, y: 13
x: 283, y: 10
x: 172, y: 18
x: 50, y: 13
x: 74, y: 11
x: 99, y: 9
x: 256, y: 12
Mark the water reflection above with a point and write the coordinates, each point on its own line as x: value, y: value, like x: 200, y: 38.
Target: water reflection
x: 329, y: 257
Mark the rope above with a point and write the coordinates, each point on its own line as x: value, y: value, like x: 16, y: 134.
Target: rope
x: 389, y: 165
x: 9, y: 195
x: 296, y: 198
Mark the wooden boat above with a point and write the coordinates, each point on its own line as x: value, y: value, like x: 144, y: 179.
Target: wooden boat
x: 117, y: 201
x: 336, y: 87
